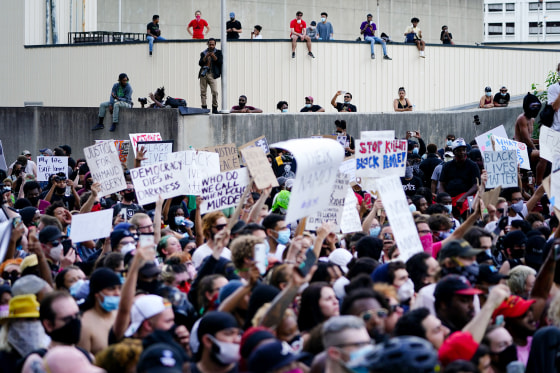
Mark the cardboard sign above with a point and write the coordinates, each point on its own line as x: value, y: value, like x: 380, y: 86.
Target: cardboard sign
x: 165, y: 178
x: 156, y: 151
x: 396, y: 206
x: 3, y: 165
x: 91, y: 226
x: 123, y: 147
x: 501, y: 167
x: 229, y: 156
x: 259, y: 167
x: 260, y: 142
x: 501, y: 143
x: 135, y: 137
x: 378, y: 157
x: 350, y: 220
x: 549, y: 143
x: 555, y: 182
x: 223, y: 190
x: 47, y: 166
x: 105, y: 167
x: 317, y: 166
x: 333, y: 212
x: 484, y: 141
x: 5, y: 234
x: 197, y: 166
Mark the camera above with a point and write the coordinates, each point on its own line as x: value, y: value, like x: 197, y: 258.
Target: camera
x: 476, y: 120
x: 143, y: 100
x: 204, y: 70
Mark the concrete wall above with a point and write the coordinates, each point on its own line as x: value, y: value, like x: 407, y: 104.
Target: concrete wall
x: 34, y: 128
x: 464, y: 17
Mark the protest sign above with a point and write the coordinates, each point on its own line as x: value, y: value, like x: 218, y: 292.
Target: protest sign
x: 123, y: 147
x: 491, y: 197
x: 259, y: 167
x: 350, y: 219
x: 484, y: 141
x: 5, y: 234
x: 501, y: 167
x: 387, y: 134
x: 317, y: 166
x: 400, y: 218
x: 379, y: 157
x: 91, y: 226
x: 501, y: 143
x: 197, y: 165
x: 229, y: 156
x: 156, y: 151
x: 555, y: 182
x: 223, y: 190
x: 549, y: 143
x: 47, y: 166
x: 260, y: 142
x: 135, y: 137
x: 333, y: 212
x: 167, y: 179
x: 105, y: 167
x: 3, y: 165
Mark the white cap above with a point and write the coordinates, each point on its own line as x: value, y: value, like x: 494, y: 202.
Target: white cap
x: 341, y: 257
x: 458, y: 143
x: 145, y: 307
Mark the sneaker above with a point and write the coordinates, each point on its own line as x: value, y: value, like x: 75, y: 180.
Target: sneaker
x: 99, y: 126
x: 310, y: 55
x: 385, y: 57
x: 215, y: 110
x: 293, y: 54
x: 204, y: 107
x: 373, y: 56
x: 422, y: 54
x: 113, y: 127
x: 150, y: 53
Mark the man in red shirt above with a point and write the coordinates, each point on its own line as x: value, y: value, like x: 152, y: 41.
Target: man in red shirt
x: 197, y: 26
x: 297, y: 31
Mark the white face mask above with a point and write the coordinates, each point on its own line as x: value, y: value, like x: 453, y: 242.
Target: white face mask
x: 56, y: 253
x: 406, y: 291
x: 229, y: 352
x: 128, y: 248
x: 299, y: 21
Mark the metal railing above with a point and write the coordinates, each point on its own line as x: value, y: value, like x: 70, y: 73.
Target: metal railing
x: 104, y: 37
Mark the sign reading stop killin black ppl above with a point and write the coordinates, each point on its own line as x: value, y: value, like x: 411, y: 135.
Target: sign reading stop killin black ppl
x: 105, y: 167
x: 380, y: 157
x: 223, y: 190
x: 501, y: 167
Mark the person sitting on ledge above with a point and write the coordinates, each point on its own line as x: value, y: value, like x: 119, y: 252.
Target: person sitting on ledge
x: 243, y: 107
x: 157, y: 98
x: 121, y: 96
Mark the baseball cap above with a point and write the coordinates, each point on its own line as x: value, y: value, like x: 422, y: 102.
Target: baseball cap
x: 29, y: 284
x: 253, y: 337
x: 289, y: 183
x: 313, y: 23
x: 102, y: 278
x: 273, y: 355
x: 215, y: 321
x: 458, y: 247
x: 49, y: 234
x: 458, y: 346
x: 232, y: 14
x: 46, y: 151
x: 29, y: 261
x: 513, y: 307
x: 26, y: 152
x: 66, y: 148
x: 160, y: 358
x: 369, y: 15
x: 309, y: 98
x: 238, y: 226
x: 449, y: 154
x: 117, y: 235
x: 145, y: 307
x: 489, y: 273
x: 23, y: 306
x: 454, y: 285
x: 487, y: 89
x: 341, y: 257
x: 458, y: 143
x: 513, y: 238
x: 150, y: 269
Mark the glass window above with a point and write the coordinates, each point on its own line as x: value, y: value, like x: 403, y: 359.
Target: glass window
x: 495, y: 29
x: 495, y: 7
x: 510, y: 7
x: 553, y: 5
x: 535, y: 6
x: 553, y: 27
x: 534, y: 28
x: 510, y: 28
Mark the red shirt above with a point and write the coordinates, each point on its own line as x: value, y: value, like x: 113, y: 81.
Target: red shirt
x: 298, y: 27
x: 198, y: 28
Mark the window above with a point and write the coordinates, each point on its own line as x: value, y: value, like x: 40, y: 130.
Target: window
x: 495, y: 29
x: 510, y: 28
x: 535, y: 6
x: 534, y: 28
x: 553, y: 5
x: 510, y: 7
x: 495, y: 7
x: 553, y: 27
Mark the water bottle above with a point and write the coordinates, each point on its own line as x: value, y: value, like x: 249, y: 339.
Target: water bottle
x: 68, y: 191
x: 515, y: 367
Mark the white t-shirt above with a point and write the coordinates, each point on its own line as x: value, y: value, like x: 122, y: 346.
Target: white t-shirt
x: 259, y: 36
x: 553, y: 92
x: 203, y: 251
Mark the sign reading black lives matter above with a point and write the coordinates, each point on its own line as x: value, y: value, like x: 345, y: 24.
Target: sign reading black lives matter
x: 223, y: 190
x: 501, y: 167
x: 105, y: 167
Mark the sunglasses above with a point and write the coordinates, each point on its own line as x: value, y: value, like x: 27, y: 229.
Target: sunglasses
x: 380, y: 313
x: 504, y: 91
x: 346, y: 96
x: 59, y: 178
x: 55, y: 242
x: 220, y: 226
x: 6, y: 275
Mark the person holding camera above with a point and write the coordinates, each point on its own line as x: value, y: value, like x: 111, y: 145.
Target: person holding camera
x: 157, y: 98
x: 154, y: 33
x: 210, y: 70
x: 368, y: 28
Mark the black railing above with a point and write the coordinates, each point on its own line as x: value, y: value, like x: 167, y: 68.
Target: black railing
x: 104, y: 37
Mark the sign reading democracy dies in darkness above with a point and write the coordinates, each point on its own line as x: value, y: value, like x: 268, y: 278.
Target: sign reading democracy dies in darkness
x: 105, y: 167
x: 223, y: 190
x: 380, y: 156
x: 165, y: 178
x: 501, y: 167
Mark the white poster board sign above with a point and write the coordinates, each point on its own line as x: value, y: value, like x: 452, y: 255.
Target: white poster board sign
x: 223, y: 190
x: 197, y: 165
x: 135, y: 137
x: 91, y: 226
x: 555, y: 182
x: 317, y: 166
x: 484, y: 141
x: 47, y: 166
x: 502, y: 143
x: 549, y: 143
x: 156, y: 151
x: 501, y: 167
x: 399, y: 215
x: 165, y: 178
x: 105, y: 167
x: 3, y: 165
x: 333, y: 212
x: 350, y: 221
x: 378, y: 157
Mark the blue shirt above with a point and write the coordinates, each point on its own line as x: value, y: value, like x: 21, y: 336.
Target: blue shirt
x: 325, y: 30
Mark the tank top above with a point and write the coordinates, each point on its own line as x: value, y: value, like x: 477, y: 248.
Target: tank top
x: 405, y: 104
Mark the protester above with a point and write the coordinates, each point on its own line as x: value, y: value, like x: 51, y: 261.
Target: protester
x: 121, y: 96
x: 153, y: 32
x: 210, y: 63
x: 298, y: 29
x: 197, y: 25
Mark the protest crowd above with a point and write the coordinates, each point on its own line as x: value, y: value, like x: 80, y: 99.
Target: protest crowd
x: 330, y: 254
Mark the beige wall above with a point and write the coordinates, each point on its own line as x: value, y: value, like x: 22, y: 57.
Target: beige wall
x: 464, y: 17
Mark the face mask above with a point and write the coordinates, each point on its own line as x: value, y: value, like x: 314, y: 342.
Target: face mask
x: 427, y: 241
x: 241, y: 104
x: 33, y: 200
x: 75, y: 287
x: 308, y: 105
x: 129, y: 196
x: 505, y: 357
x: 148, y: 286
x: 232, y: 18
x: 58, y: 190
x: 323, y: 19
x: 89, y: 184
x: 406, y: 291
x: 517, y: 253
x: 110, y: 302
x: 296, y: 344
x: 228, y: 353
x: 128, y: 248
x: 517, y: 207
x: 449, y: 142
x: 4, y: 310
x: 415, y: 151
x: 284, y: 110
x: 360, y: 353
x: 449, y: 208
x: 374, y: 232
x: 283, y: 237
x: 408, y: 172
x: 443, y: 235
x: 488, y: 94
x: 299, y: 21
x: 296, y: 370
x: 412, y: 207
x: 503, y: 94
x: 27, y: 336
x: 197, y: 18
x: 180, y: 220
x: 69, y: 334
x: 56, y: 253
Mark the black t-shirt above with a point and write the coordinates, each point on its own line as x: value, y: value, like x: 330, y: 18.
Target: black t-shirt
x: 502, y: 100
x: 446, y: 39
x: 459, y: 177
x: 313, y: 108
x: 411, y: 186
x: 68, y: 201
x: 130, y: 209
x: 343, y: 106
x: 154, y: 28
x: 232, y: 34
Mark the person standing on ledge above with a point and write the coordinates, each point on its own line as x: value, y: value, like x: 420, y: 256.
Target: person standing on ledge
x: 121, y: 97
x: 197, y: 25
x: 346, y: 106
x: 233, y: 27
x: 153, y: 32
x: 210, y: 70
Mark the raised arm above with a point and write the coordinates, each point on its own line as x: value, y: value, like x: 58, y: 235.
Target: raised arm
x: 95, y: 188
x: 477, y: 326
x: 333, y: 101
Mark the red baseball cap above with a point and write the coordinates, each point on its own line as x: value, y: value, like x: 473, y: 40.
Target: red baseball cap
x: 458, y: 346
x: 513, y: 307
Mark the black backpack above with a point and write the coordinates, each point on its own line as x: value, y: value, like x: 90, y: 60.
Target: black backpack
x: 175, y: 102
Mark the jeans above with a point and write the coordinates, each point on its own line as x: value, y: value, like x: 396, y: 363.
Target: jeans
x: 373, y: 39
x: 116, y: 107
x: 151, y: 41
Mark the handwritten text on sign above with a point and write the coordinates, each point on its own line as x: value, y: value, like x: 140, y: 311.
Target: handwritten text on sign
x: 501, y: 167
x: 259, y: 167
x: 549, y: 143
x: 378, y: 158
x: 47, y: 166
x: 164, y: 178
x: 333, y: 212
x: 223, y: 190
x: 135, y: 137
x: 105, y: 167
x: 196, y: 166
x: 156, y: 151
x: 520, y: 148
x: 229, y: 156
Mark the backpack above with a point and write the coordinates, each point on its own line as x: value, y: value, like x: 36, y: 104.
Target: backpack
x: 175, y: 102
x: 547, y: 115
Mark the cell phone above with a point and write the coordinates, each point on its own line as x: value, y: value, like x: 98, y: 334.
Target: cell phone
x: 66, y: 246
x: 122, y: 213
x: 470, y: 199
x: 309, y: 262
x: 146, y: 239
x: 388, y: 236
x: 260, y: 257
x: 367, y: 200
x: 15, y: 221
x: 556, y: 252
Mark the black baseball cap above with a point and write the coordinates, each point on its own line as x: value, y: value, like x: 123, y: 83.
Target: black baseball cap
x: 489, y: 273
x: 459, y: 248
x: 273, y: 355
x: 160, y: 358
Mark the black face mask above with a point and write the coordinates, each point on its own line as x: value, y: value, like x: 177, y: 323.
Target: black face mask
x: 505, y: 357
x: 241, y: 104
x: 34, y: 201
x: 59, y: 190
x: 517, y: 254
x: 148, y: 286
x: 68, y: 334
x: 129, y: 196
